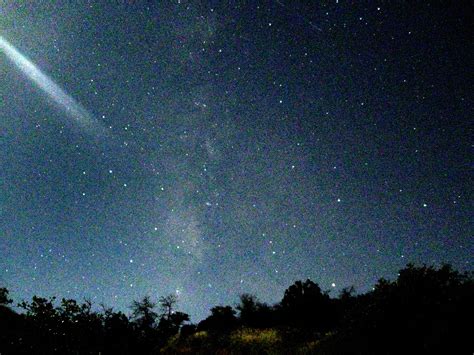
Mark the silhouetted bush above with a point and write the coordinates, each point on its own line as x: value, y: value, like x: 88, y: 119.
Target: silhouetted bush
x: 221, y: 320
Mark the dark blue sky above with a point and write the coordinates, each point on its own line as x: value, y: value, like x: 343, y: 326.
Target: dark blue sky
x: 249, y: 144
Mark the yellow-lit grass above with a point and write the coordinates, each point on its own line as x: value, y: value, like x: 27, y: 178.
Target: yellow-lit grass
x: 255, y: 340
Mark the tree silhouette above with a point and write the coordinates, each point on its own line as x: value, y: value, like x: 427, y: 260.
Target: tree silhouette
x: 143, y: 313
x: 43, y: 315
x: 247, y: 308
x: 169, y: 326
x: 304, y: 304
x: 221, y: 320
x: 119, y: 337
x: 70, y: 327
x: 347, y: 293
x: 12, y: 326
x: 425, y: 310
x: 170, y: 320
x: 178, y: 318
x: 167, y: 304
x: 4, y: 299
x: 144, y: 321
x: 253, y: 313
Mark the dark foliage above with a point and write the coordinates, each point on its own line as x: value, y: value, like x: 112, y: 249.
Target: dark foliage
x: 221, y: 320
x: 4, y: 299
x: 304, y: 305
x: 424, y: 311
x: 255, y: 314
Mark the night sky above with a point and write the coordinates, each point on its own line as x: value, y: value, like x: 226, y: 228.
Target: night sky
x: 213, y: 148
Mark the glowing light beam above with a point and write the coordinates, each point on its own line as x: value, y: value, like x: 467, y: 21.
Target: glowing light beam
x: 80, y: 115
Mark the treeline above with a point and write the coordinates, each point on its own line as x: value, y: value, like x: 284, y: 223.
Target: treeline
x: 425, y: 310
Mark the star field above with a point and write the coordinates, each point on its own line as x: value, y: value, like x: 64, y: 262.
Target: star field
x: 248, y: 145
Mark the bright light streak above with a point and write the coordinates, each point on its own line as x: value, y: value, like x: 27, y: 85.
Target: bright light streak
x: 80, y: 115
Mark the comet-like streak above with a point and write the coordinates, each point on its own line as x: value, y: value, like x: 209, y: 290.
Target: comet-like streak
x: 80, y: 115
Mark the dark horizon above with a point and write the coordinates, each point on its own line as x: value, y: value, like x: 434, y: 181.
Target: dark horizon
x: 424, y: 309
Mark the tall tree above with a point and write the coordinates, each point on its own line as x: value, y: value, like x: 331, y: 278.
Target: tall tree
x: 167, y: 304
x: 143, y: 312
